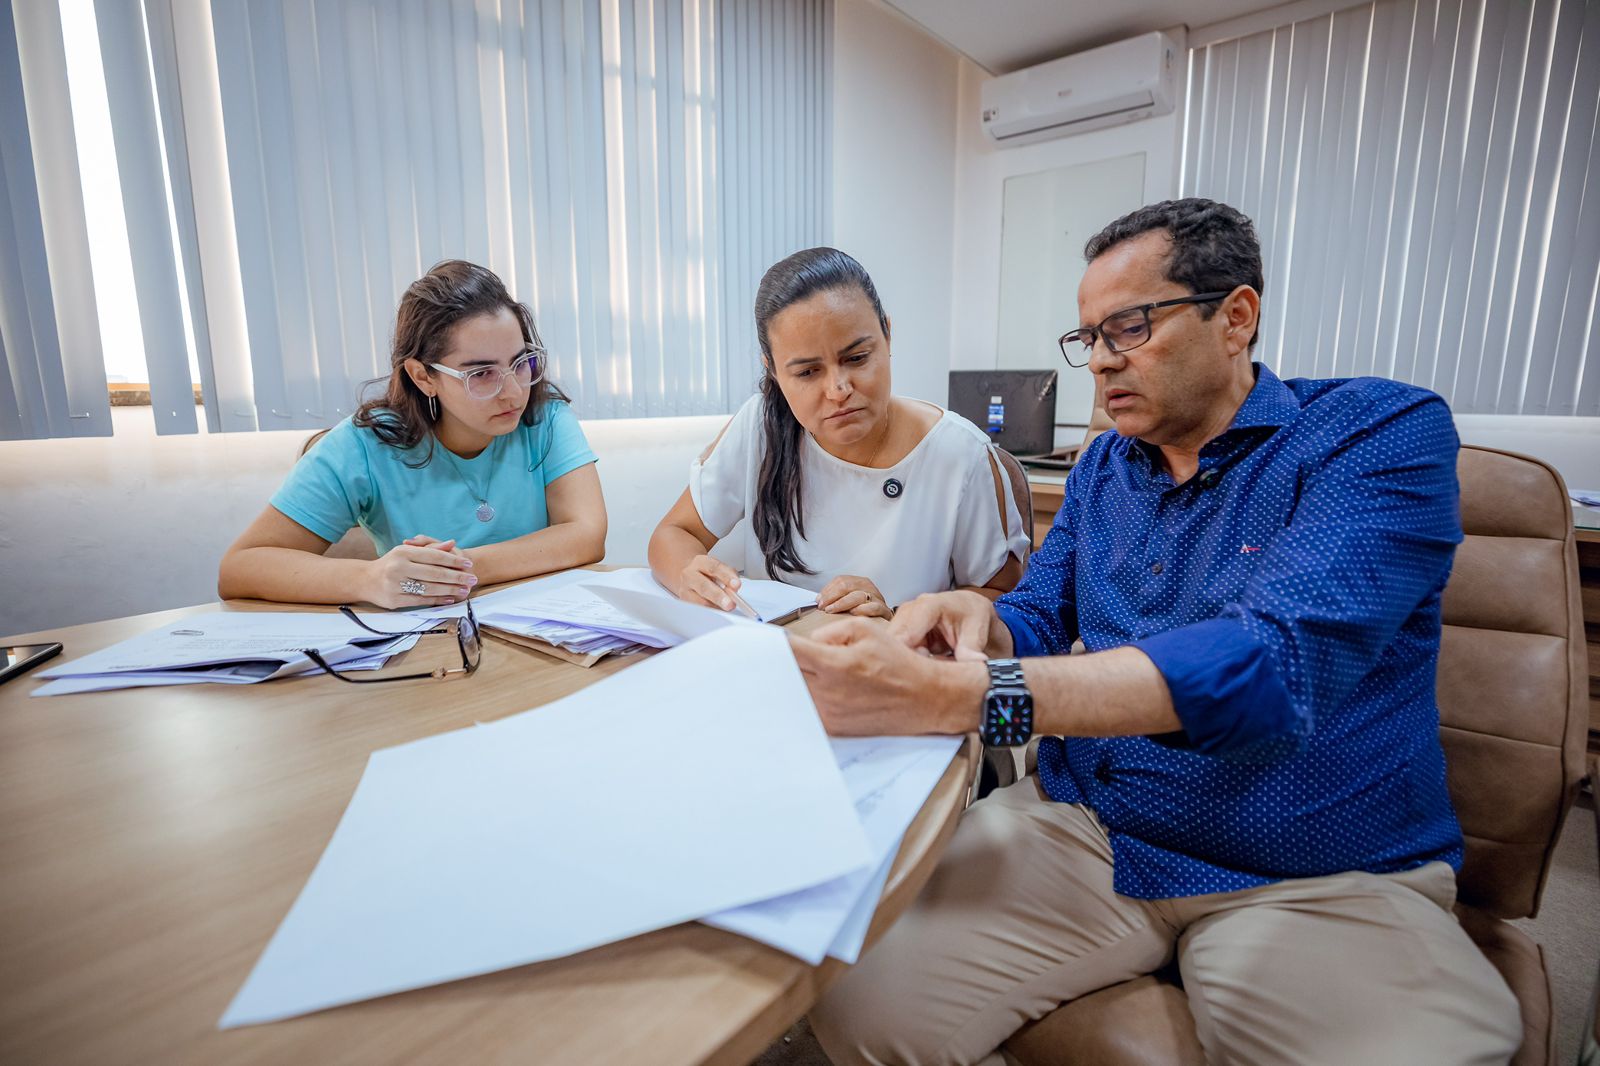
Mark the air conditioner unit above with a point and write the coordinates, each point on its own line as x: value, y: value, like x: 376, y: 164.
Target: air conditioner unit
x: 1122, y: 82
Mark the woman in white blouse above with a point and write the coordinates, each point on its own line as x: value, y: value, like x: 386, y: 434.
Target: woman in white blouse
x: 869, y: 498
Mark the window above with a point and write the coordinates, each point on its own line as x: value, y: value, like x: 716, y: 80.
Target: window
x: 628, y: 169
x: 1421, y: 173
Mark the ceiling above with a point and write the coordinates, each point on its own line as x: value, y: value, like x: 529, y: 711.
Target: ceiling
x: 1006, y: 35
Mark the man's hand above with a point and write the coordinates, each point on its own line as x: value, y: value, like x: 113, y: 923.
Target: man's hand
x: 960, y: 625
x: 866, y: 683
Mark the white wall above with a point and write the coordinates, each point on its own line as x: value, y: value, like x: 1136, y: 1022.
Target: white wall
x: 1571, y: 445
x: 96, y: 528
x: 894, y: 173
x: 981, y: 173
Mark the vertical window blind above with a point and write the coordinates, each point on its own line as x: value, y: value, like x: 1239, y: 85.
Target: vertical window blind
x: 54, y: 383
x: 1425, y: 179
x: 629, y: 167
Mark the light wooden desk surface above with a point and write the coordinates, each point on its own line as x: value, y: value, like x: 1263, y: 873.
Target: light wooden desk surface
x: 152, y: 839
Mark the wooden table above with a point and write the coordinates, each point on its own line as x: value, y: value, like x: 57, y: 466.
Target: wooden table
x: 1048, y: 491
x: 152, y: 839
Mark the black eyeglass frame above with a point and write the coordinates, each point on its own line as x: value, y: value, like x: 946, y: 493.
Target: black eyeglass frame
x: 465, y: 629
x: 1073, y: 338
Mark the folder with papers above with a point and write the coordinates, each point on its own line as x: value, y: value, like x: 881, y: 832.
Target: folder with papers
x: 575, y: 615
x: 234, y: 648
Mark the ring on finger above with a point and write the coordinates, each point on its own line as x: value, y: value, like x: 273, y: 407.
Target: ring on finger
x: 412, y: 587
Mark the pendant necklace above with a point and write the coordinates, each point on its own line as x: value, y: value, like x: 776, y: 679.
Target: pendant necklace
x: 485, y: 510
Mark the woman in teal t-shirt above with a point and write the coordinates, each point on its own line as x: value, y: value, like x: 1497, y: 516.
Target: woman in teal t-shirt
x: 470, y: 469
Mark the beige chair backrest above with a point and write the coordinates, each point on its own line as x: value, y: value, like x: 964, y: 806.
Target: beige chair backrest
x: 1020, y: 489
x: 1512, y: 681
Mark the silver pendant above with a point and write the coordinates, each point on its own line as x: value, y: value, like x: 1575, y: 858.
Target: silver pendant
x: 485, y: 511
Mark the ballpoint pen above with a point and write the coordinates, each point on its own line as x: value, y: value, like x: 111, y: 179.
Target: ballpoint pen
x: 743, y: 607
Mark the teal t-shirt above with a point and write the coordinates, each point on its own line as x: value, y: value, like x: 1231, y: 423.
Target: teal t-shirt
x: 351, y: 478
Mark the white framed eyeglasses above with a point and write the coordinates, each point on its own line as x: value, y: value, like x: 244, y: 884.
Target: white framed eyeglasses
x: 487, y: 382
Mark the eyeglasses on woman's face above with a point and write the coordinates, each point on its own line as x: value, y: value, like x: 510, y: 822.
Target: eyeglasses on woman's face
x: 487, y: 382
x: 1122, y: 330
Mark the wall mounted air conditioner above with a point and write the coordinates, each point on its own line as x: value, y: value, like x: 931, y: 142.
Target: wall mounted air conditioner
x: 1122, y: 82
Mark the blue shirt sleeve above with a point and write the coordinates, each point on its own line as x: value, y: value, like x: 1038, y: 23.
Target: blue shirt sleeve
x: 1042, y: 611
x: 330, y: 487
x: 562, y: 445
x: 1371, y: 539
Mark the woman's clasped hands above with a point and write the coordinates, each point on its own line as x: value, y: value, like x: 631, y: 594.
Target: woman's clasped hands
x: 421, y: 571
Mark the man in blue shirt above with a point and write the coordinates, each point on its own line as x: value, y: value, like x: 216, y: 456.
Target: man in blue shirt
x: 1244, y: 773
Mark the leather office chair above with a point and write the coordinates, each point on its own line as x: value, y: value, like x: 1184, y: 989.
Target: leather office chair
x: 1513, y: 705
x: 1590, y: 1055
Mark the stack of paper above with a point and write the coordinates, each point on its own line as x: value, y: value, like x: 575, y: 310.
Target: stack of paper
x: 889, y: 779
x: 499, y: 845
x: 573, y: 610
x: 234, y: 648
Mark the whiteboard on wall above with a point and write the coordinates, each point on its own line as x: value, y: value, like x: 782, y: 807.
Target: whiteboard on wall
x: 1048, y: 216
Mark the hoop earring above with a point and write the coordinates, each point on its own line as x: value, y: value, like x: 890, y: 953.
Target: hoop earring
x: 433, y: 408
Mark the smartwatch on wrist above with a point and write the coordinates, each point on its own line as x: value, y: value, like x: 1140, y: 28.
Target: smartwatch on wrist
x: 1007, y: 706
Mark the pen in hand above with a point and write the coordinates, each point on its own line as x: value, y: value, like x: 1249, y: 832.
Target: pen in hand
x: 743, y: 607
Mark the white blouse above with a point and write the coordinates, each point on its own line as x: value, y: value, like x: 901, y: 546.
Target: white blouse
x: 927, y: 524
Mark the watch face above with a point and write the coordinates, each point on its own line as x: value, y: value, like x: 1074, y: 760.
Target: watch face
x: 1008, y: 719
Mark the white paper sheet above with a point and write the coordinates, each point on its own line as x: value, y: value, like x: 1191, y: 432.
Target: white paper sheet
x: 556, y: 610
x: 889, y: 779
x: 229, y: 637
x: 846, y: 947
x: 368, y: 656
x: 668, y: 614
x: 500, y: 845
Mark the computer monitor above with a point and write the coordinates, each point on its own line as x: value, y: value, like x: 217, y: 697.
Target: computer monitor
x: 1017, y: 408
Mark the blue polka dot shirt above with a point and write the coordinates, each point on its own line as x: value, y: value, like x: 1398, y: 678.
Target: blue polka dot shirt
x: 1289, y: 595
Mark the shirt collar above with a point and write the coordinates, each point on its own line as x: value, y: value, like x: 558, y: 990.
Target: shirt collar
x: 1269, y: 405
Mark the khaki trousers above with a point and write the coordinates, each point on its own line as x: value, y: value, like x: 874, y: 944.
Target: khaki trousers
x: 1020, y: 917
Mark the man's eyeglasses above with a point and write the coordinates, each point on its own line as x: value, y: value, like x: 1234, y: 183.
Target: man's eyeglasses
x: 1122, y: 330
x: 467, y: 639
x: 487, y: 382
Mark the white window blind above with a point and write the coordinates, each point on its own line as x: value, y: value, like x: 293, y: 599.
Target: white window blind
x: 1425, y: 179
x: 622, y: 165
x: 629, y: 167
x: 54, y: 381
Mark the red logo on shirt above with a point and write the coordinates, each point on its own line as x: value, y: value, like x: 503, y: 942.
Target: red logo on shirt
x: 1245, y: 549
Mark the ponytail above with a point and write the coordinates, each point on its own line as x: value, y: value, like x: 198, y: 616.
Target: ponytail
x: 778, y: 516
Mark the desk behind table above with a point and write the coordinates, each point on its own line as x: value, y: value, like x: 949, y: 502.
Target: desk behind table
x: 152, y: 839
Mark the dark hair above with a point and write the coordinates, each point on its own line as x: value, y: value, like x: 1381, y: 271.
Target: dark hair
x: 1214, y: 246
x: 451, y: 291
x: 777, y: 516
